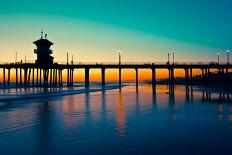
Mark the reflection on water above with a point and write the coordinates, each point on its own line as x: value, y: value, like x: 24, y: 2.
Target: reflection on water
x: 130, y: 120
x: 120, y: 115
x: 44, y: 129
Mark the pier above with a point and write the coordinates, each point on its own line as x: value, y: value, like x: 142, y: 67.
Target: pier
x: 52, y: 75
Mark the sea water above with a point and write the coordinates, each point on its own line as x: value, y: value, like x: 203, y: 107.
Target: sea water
x: 128, y: 120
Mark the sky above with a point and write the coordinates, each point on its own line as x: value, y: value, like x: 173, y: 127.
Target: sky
x: 94, y: 30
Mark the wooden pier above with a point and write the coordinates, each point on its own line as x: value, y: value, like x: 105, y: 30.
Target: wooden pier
x: 32, y: 74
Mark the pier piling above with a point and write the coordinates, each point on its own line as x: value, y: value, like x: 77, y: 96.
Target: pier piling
x: 86, y: 77
x: 103, y: 76
x: 136, y: 77
x: 120, y: 77
x: 9, y: 77
x: 153, y: 76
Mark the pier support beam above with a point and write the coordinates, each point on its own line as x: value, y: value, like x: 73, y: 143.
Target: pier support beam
x: 9, y: 77
x: 186, y: 75
x: 4, y: 77
x: 171, y: 76
x: 71, y: 76
x: 16, y: 78
x: 202, y: 72
x: 50, y: 77
x: 68, y: 82
x: 58, y: 77
x: 136, y: 77
x: 86, y: 77
x: 37, y: 77
x: 207, y: 71
x: 120, y: 77
x: 61, y: 77
x: 153, y: 76
x: 40, y: 76
x: 103, y: 76
x: 29, y: 75
x: 25, y: 76
x: 44, y: 77
x: 20, y: 76
x: 55, y: 75
x: 222, y: 72
x: 46, y: 73
x: 33, y: 77
x: 191, y: 75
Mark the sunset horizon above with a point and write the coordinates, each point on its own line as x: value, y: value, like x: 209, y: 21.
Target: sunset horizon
x: 197, y: 31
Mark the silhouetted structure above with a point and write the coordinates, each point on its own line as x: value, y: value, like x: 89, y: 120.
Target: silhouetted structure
x: 43, y: 51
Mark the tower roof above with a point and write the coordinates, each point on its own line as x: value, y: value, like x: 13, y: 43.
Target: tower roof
x: 43, y: 42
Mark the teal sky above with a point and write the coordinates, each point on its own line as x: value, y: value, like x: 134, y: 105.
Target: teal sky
x: 93, y: 30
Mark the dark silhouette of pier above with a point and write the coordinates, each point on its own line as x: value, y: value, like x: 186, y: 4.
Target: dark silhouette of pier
x: 44, y: 72
x: 52, y: 75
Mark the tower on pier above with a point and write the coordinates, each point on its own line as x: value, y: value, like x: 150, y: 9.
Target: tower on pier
x: 43, y: 51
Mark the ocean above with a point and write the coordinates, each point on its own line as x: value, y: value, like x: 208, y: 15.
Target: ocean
x: 129, y: 120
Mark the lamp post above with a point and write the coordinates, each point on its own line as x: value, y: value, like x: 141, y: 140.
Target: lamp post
x: 168, y: 58
x: 67, y: 58
x: 119, y: 57
x: 16, y: 55
x: 173, y: 56
x: 228, y: 56
x: 72, y: 60
x: 25, y: 58
x: 218, y: 57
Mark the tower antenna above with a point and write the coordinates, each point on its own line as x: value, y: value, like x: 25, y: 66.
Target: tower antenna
x: 42, y: 33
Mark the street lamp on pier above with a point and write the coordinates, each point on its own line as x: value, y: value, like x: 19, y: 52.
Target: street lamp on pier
x: 25, y: 58
x: 168, y: 58
x: 16, y: 56
x: 218, y: 57
x: 173, y: 57
x: 119, y: 57
x: 228, y: 56
x: 72, y: 60
x: 67, y: 58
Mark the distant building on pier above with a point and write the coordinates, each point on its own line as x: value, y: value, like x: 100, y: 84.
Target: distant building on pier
x: 43, y: 51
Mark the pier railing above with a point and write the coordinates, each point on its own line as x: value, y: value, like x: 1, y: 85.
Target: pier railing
x: 140, y: 63
x: 117, y: 63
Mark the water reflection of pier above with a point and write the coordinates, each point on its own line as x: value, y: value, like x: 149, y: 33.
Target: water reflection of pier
x: 44, y: 131
x: 207, y: 96
x: 121, y: 114
x: 220, y: 97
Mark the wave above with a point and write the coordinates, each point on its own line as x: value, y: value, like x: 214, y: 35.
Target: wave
x: 52, y: 93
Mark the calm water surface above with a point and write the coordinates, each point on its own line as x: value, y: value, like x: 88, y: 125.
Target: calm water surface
x: 128, y: 121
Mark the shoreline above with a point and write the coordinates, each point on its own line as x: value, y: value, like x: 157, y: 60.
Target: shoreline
x: 29, y: 96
